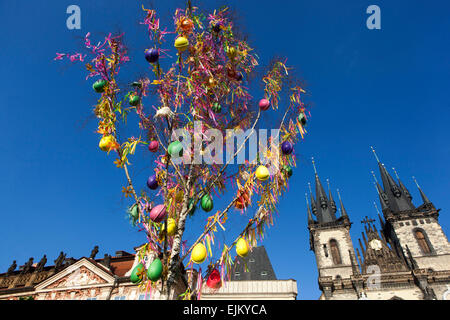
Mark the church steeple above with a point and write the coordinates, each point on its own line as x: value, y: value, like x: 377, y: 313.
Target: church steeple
x: 402, y: 186
x: 397, y: 198
x: 422, y: 194
x: 310, y: 218
x: 330, y: 197
x: 325, y: 212
x: 343, y: 211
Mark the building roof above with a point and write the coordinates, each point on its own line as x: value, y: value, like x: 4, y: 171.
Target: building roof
x: 256, y: 266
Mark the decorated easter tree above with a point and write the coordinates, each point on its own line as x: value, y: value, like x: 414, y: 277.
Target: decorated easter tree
x: 204, y: 88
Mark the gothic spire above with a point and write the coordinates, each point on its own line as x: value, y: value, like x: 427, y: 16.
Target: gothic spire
x: 397, y: 200
x: 330, y: 197
x: 383, y: 197
x: 422, y: 194
x: 310, y: 218
x: 325, y: 213
x: 402, y: 186
x: 313, y: 202
x: 343, y: 211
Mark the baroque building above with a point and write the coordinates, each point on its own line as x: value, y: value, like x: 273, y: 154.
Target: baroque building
x: 409, y: 258
x: 108, y: 278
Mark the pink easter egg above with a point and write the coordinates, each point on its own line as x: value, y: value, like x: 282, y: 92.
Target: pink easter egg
x: 153, y: 146
x: 264, y: 104
x: 158, y: 213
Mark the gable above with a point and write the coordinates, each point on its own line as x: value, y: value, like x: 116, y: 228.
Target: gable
x: 81, y: 274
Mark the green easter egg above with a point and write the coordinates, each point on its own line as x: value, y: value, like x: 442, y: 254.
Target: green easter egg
x: 207, y: 203
x: 99, y: 85
x: 155, y: 270
x: 137, y: 273
x: 175, y: 149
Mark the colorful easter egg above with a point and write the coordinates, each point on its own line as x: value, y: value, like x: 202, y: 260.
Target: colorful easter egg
x: 99, y: 85
x: 137, y: 273
x: 264, y: 104
x: 302, y: 119
x: 242, y: 247
x: 158, y: 213
x: 207, y: 203
x: 134, y: 211
x: 155, y: 270
x: 199, y: 253
x: 106, y: 143
x: 134, y: 100
x: 288, y: 171
x: 152, y: 182
x: 214, y: 281
x: 153, y: 146
x: 287, y: 147
x: 181, y: 43
x: 151, y: 55
x: 175, y: 149
x: 262, y: 173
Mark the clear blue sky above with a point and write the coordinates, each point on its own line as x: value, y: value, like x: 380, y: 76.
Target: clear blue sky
x: 387, y: 88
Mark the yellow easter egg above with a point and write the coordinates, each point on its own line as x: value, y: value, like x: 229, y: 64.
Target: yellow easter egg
x: 181, y: 43
x: 198, y: 254
x: 262, y: 173
x: 171, y: 226
x: 242, y: 248
x: 179, y: 196
x: 106, y: 142
x: 231, y: 51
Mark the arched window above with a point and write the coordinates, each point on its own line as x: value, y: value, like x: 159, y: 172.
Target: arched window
x: 423, y: 241
x: 335, y: 252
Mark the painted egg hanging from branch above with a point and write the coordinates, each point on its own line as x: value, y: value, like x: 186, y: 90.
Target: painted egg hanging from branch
x: 158, y: 213
x: 242, y: 248
x: 134, y: 211
x: 99, y: 85
x: 151, y: 55
x: 287, y: 147
x: 214, y: 281
x: 262, y: 173
x: 137, y: 273
x: 152, y: 182
x: 302, y: 119
x: 134, y: 100
x: 207, y: 203
x: 107, y: 143
x: 153, y: 146
x: 288, y: 171
x: 181, y: 43
x: 154, y: 272
x: 175, y: 149
x: 264, y: 104
x: 199, y: 253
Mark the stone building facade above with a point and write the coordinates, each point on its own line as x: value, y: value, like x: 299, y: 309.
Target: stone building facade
x: 108, y: 278
x: 409, y: 258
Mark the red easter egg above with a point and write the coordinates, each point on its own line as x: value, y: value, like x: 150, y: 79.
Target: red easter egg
x: 153, y: 146
x: 264, y: 104
x: 158, y: 213
x: 214, y: 281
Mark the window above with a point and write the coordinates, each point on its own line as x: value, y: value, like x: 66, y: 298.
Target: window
x: 264, y: 273
x: 423, y: 241
x: 142, y: 297
x: 119, y: 298
x: 335, y: 252
x: 91, y: 299
x: 237, y: 274
x: 251, y: 260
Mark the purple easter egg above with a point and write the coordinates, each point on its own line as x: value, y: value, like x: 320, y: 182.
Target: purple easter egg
x: 152, y: 183
x: 264, y: 104
x: 287, y: 147
x: 151, y: 55
x: 158, y: 213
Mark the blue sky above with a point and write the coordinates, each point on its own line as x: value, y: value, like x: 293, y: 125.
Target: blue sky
x: 387, y: 88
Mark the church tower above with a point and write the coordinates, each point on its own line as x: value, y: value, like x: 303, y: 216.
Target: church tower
x: 329, y: 238
x: 412, y: 231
